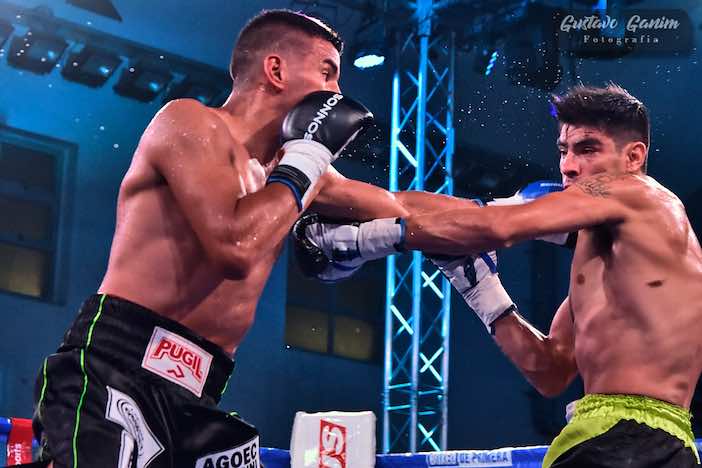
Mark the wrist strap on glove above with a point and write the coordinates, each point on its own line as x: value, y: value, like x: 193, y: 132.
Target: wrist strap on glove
x: 303, y: 163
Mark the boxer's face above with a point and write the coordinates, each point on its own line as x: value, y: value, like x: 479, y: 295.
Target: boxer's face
x: 586, y: 151
x: 316, y: 68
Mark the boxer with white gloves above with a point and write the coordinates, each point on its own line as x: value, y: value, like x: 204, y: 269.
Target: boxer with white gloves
x: 476, y: 279
x: 630, y: 325
x: 332, y: 250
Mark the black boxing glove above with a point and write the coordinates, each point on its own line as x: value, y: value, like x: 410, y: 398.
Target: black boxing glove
x: 314, y: 133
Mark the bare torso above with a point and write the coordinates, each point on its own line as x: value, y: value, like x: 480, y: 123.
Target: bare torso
x: 157, y: 261
x: 636, y: 300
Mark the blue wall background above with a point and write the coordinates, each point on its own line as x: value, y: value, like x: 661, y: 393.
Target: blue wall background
x: 491, y: 404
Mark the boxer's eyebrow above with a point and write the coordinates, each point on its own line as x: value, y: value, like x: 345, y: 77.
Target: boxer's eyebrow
x: 587, y: 141
x: 332, y: 65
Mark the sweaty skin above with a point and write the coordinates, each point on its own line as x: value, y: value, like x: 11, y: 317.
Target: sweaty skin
x: 632, y: 321
x: 636, y: 296
x: 198, y: 231
x: 158, y: 257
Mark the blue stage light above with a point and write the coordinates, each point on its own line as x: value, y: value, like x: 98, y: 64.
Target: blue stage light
x: 90, y: 66
x: 204, y: 93
x: 142, y: 82
x: 36, y: 52
x: 368, y: 60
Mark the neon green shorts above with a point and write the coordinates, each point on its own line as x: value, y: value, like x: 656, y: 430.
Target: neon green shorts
x: 596, y: 414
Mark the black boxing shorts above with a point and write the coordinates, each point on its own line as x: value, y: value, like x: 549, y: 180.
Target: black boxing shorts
x: 629, y: 444
x: 633, y: 431
x: 129, y: 388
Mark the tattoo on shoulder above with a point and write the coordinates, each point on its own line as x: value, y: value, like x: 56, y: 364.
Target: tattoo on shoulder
x: 597, y: 186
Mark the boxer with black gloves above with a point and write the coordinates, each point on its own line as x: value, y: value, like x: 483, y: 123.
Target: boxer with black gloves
x: 314, y: 134
x: 202, y: 215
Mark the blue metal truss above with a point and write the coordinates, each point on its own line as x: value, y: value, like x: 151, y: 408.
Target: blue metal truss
x: 417, y: 312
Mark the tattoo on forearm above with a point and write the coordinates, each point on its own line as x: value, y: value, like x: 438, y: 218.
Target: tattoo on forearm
x: 597, y: 186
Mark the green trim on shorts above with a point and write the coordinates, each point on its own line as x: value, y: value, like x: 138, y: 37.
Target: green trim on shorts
x: 596, y: 414
x: 43, y: 385
x: 85, y: 380
x: 43, y: 390
x: 226, y: 384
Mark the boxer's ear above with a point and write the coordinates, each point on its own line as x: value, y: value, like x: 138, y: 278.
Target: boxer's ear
x: 274, y: 70
x: 636, y: 154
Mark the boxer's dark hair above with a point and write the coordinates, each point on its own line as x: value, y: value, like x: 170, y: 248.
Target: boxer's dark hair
x: 272, y: 29
x: 612, y: 109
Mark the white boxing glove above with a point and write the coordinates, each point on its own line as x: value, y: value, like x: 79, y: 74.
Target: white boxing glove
x: 475, y: 278
x: 333, y: 250
x: 530, y: 193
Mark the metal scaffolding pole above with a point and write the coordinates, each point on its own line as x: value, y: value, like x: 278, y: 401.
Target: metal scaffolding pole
x: 418, y: 298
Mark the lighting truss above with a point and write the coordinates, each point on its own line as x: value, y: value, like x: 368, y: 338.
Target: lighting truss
x: 418, y: 298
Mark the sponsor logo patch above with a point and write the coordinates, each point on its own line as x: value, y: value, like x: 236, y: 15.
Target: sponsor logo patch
x: 332, y: 445
x: 123, y: 410
x: 176, y: 359
x: 243, y: 456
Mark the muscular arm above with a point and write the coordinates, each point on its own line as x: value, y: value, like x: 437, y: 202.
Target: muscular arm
x: 340, y: 197
x: 547, y: 362
x: 191, y: 148
x: 591, y: 202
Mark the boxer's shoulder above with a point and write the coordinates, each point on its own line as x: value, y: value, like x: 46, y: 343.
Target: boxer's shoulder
x: 643, y: 193
x: 605, y: 185
x: 187, y: 127
x: 191, y: 115
x: 185, y: 111
x: 627, y: 190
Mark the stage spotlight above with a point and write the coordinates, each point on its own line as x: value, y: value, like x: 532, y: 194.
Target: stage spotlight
x: 142, y: 82
x: 36, y: 52
x: 6, y: 30
x: 189, y: 89
x: 368, y: 58
x: 90, y: 66
x: 370, y: 47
